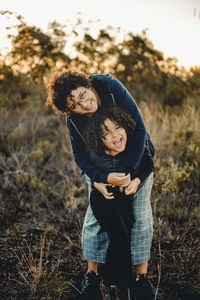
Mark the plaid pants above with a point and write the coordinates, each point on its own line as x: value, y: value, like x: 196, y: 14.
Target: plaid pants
x: 95, y: 241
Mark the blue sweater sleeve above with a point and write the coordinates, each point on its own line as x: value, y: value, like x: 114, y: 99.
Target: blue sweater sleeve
x: 132, y: 155
x: 81, y: 157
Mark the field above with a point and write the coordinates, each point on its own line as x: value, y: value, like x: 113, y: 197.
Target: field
x: 43, y: 200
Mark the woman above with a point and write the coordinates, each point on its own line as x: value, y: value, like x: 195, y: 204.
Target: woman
x: 78, y: 97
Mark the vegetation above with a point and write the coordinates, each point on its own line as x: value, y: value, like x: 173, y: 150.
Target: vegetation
x: 43, y: 198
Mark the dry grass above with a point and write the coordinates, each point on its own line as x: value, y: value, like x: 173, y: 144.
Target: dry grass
x: 43, y: 200
x: 165, y: 125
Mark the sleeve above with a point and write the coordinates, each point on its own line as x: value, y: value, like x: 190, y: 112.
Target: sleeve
x: 134, y: 149
x: 82, y: 159
x: 146, y: 166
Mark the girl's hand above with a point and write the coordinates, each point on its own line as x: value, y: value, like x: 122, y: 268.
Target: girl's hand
x: 101, y: 187
x: 132, y: 187
x: 119, y: 179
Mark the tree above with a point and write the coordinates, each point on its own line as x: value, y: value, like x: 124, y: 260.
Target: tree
x: 96, y: 55
x: 137, y: 66
x: 36, y: 52
x: 193, y: 80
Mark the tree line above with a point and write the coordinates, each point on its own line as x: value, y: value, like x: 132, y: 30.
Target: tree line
x: 144, y: 70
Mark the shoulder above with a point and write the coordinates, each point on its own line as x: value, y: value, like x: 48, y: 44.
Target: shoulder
x: 101, y: 83
x: 107, y: 82
x: 100, y: 77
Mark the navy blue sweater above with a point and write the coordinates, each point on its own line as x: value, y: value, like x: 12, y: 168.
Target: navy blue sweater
x: 131, y: 156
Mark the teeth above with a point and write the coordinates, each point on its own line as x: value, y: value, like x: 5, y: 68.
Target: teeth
x: 117, y: 141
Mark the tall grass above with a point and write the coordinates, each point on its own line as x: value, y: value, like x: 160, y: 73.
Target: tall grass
x: 44, y: 194
x: 175, y: 198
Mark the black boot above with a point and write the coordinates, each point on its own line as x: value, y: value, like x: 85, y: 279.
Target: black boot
x: 143, y: 289
x: 108, y: 293
x: 90, y: 287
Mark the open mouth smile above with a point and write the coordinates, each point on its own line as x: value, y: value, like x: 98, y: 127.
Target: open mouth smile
x: 118, y: 143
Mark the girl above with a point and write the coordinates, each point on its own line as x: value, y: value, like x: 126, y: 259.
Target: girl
x: 106, y: 137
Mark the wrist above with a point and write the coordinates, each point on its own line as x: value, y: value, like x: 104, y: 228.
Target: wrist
x: 108, y: 179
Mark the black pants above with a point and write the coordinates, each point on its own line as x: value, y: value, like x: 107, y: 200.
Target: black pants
x: 116, y: 218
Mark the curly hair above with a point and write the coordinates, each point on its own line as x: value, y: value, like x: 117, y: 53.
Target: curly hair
x: 60, y: 87
x: 93, y: 131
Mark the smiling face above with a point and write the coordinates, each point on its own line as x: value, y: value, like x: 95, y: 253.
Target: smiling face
x: 83, y: 101
x: 114, y: 137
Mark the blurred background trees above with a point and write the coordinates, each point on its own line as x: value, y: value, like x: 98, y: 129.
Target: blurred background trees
x: 144, y: 70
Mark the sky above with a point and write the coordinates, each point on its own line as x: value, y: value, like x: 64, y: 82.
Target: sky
x: 173, y: 25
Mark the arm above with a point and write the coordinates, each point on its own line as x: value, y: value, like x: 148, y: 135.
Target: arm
x: 130, y: 158
x: 146, y: 166
x: 82, y: 158
x: 144, y: 169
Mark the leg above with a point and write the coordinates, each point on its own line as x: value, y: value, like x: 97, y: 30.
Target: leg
x: 142, y: 230
x: 94, y: 254
x: 115, y: 217
x: 140, y: 269
x: 94, y: 239
x: 91, y: 280
x: 112, y: 215
x: 92, y: 266
x: 94, y: 246
x: 141, y: 240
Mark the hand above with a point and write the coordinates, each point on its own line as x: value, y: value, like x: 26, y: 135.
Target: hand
x: 132, y: 187
x: 119, y: 179
x: 101, y: 187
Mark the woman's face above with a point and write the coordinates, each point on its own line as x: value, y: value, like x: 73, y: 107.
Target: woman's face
x: 114, y: 137
x: 83, y: 101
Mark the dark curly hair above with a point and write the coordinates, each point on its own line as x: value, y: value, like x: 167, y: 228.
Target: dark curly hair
x: 60, y: 86
x: 93, y: 131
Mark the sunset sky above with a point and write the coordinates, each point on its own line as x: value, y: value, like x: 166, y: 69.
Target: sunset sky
x: 173, y: 25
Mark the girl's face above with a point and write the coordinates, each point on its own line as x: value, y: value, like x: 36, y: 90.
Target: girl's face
x: 114, y: 137
x: 83, y: 101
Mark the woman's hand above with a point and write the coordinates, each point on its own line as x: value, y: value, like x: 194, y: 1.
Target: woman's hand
x: 119, y: 179
x: 101, y: 187
x: 132, y: 187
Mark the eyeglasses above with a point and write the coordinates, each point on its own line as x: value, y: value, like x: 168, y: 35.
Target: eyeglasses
x: 82, y: 98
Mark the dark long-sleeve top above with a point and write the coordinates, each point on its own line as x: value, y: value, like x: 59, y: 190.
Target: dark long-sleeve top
x: 112, y: 163
x: 130, y: 158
